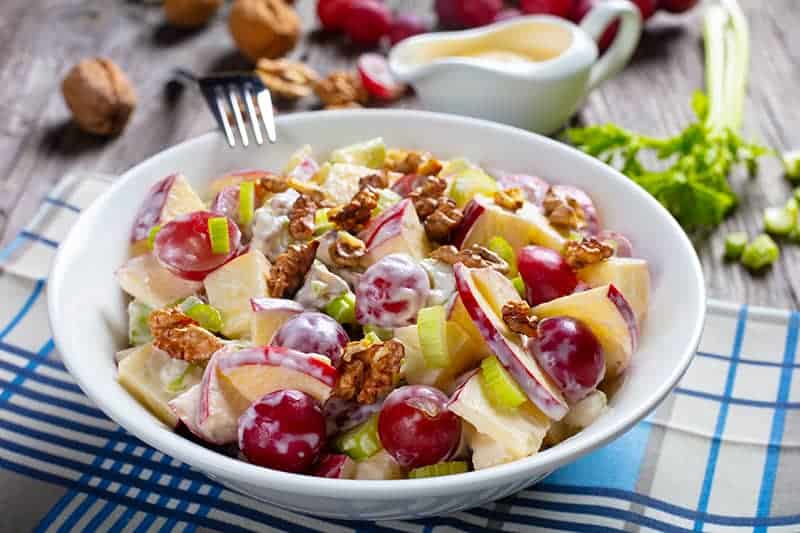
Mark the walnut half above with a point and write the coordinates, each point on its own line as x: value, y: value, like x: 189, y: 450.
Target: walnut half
x: 476, y: 256
x: 368, y: 372
x: 180, y: 336
x: 290, y: 268
x: 354, y: 215
x: 587, y: 251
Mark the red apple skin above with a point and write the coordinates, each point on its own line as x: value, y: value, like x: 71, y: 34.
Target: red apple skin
x: 260, y: 305
x: 334, y: 465
x: 404, y: 185
x: 627, y: 313
x: 385, y: 225
x: 472, y: 211
x: 279, y: 356
x: 499, y: 345
x: 149, y: 213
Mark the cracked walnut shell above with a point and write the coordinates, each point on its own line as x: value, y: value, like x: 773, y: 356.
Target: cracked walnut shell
x: 190, y: 13
x: 263, y: 28
x: 99, y: 95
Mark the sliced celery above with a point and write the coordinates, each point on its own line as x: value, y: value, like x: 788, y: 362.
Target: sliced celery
x: 138, y: 327
x: 735, y: 244
x: 779, y: 220
x: 432, y: 332
x: 503, y: 248
x: 247, y: 202
x: 151, y: 236
x: 371, y: 153
x: 207, y: 316
x: 342, y: 308
x: 519, y: 285
x: 360, y: 442
x: 791, y: 164
x: 218, y: 234
x: 321, y: 222
x: 178, y: 384
x: 761, y: 252
x: 469, y: 183
x: 446, y: 468
x: 499, y: 386
x: 189, y: 302
x: 383, y: 334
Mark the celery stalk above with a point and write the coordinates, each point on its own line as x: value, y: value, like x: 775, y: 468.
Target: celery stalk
x: 714, y: 38
x: 737, y: 61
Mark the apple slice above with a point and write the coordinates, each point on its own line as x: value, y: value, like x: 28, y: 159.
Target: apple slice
x: 167, y: 199
x: 487, y: 452
x: 140, y: 372
x: 414, y: 369
x: 483, y: 219
x: 146, y: 280
x: 474, y: 287
x: 341, y: 181
x: 231, y: 286
x: 580, y: 416
x: 268, y: 315
x: 335, y: 465
x: 371, y: 153
x: 218, y: 414
x: 607, y: 313
x: 396, y: 230
x: 521, y: 430
x: 251, y: 373
x: 381, y: 465
x: 630, y: 276
x: 458, y: 315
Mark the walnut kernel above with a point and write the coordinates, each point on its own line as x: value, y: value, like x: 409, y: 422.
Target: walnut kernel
x: 180, y: 336
x: 341, y: 88
x: 286, y: 79
x: 519, y: 318
x: 99, y: 95
x: 263, y: 28
x: 510, y: 199
x: 347, y: 250
x: 190, y: 13
x: 369, y: 372
x: 354, y: 215
x: 587, y: 251
x: 288, y: 272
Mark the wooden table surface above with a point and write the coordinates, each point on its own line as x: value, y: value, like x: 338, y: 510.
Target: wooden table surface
x: 40, y: 40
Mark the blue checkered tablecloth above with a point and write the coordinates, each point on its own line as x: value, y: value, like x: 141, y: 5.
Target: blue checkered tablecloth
x: 722, y: 453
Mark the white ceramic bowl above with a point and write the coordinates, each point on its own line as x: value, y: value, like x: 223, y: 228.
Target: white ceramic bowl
x: 88, y: 317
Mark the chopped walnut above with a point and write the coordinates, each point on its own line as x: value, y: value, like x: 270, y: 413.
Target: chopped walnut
x: 430, y: 167
x: 301, y: 218
x: 271, y: 184
x: 426, y: 195
x: 347, y: 250
x: 287, y: 79
x: 587, y: 251
x: 519, y: 318
x: 369, y: 372
x: 340, y: 88
x: 377, y: 181
x: 290, y: 268
x: 510, y: 199
x: 441, y: 223
x: 181, y: 336
x: 353, y: 216
x: 563, y: 212
x: 309, y: 189
x: 412, y: 162
x: 476, y: 256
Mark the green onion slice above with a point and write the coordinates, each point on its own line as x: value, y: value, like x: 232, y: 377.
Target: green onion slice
x: 218, y: 234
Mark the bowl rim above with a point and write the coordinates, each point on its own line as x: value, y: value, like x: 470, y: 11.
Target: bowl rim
x: 208, y: 461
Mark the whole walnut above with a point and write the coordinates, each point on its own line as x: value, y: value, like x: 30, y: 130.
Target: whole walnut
x: 263, y: 28
x: 99, y: 95
x: 190, y: 13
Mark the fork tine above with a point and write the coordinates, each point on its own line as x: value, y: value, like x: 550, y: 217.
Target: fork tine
x: 223, y: 117
x: 251, y: 110
x: 264, y: 100
x: 237, y: 113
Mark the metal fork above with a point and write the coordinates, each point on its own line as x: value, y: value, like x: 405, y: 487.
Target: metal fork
x: 224, y: 94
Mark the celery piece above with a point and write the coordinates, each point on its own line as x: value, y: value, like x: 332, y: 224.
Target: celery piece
x: 207, y: 316
x: 792, y: 206
x: 519, y: 285
x: 189, y: 302
x: 321, y: 222
x: 469, y: 183
x: 138, y: 327
x: 499, y: 386
x: 247, y: 202
x: 360, y: 442
x: 342, y: 308
x: 446, y: 468
x: 735, y: 244
x: 218, y: 235
x: 761, y: 252
x: 791, y: 164
x: 371, y: 153
x: 779, y: 220
x: 503, y: 248
x: 432, y: 333
x: 383, y: 334
x: 371, y: 338
x: 151, y: 236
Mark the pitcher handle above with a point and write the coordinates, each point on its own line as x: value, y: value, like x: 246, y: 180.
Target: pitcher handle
x: 621, y: 50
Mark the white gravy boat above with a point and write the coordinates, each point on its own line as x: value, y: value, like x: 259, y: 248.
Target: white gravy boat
x: 469, y: 72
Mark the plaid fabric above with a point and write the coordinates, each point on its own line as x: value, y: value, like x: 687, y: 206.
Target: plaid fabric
x: 722, y: 453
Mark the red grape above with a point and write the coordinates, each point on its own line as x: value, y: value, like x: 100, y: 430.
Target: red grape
x: 570, y: 354
x: 391, y: 292
x: 473, y: 13
x: 331, y: 13
x: 377, y: 78
x: 559, y: 8
x: 647, y: 8
x: 677, y: 6
x: 507, y: 14
x: 416, y: 428
x: 184, y: 247
x: 546, y: 274
x: 313, y: 332
x: 533, y: 188
x: 367, y: 21
x: 406, y: 25
x: 284, y: 430
x: 447, y: 12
